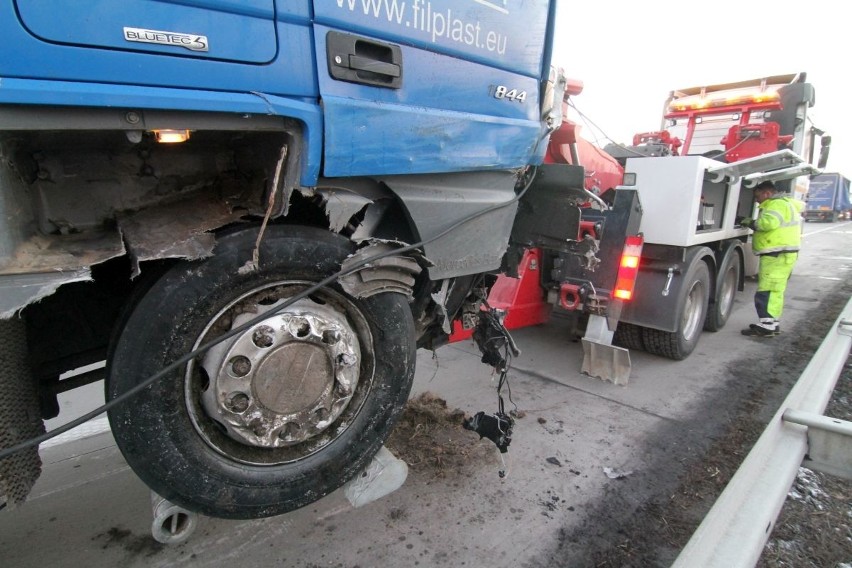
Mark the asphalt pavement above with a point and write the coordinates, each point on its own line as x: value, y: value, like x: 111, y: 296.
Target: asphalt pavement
x: 578, y: 440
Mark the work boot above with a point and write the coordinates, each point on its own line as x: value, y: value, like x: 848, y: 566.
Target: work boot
x: 755, y: 330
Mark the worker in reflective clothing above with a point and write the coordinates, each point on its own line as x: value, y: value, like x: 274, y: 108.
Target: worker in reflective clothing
x: 776, y: 240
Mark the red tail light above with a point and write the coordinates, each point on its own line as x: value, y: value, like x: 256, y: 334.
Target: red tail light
x: 628, y: 269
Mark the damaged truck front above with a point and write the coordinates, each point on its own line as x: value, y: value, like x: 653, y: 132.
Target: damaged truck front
x: 254, y: 212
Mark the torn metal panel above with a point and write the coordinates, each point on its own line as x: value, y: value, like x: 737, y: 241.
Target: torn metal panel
x: 340, y: 205
x: 389, y: 274
x: 19, y: 290
x: 43, y: 263
x: 372, y: 217
x: 176, y: 230
x: 62, y: 253
x: 440, y: 299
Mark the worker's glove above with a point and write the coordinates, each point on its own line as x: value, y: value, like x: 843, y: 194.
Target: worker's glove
x: 745, y: 222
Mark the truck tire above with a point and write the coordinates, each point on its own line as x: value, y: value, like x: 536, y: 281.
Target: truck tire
x: 279, y: 415
x: 692, y: 306
x: 727, y: 284
x: 629, y: 336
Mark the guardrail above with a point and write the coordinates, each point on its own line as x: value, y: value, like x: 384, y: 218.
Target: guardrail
x: 738, y: 525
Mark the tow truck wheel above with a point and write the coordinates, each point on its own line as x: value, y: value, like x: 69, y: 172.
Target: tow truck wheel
x: 692, y: 306
x: 280, y: 413
x: 727, y: 283
x: 629, y: 336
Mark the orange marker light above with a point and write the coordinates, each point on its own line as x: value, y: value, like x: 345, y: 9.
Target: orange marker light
x: 628, y: 269
x: 171, y: 136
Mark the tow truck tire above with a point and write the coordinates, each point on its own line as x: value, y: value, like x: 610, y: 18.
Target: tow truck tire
x: 629, y: 336
x: 183, y: 435
x: 727, y: 284
x: 692, y: 306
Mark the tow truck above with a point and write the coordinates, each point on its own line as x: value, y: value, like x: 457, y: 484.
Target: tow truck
x: 652, y: 262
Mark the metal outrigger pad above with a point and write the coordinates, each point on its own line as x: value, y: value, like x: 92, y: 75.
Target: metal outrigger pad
x: 601, y: 359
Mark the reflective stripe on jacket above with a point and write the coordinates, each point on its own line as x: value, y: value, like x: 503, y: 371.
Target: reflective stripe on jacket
x: 778, y: 227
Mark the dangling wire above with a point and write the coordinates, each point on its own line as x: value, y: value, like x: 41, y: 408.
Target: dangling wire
x: 503, y: 342
x: 498, y: 349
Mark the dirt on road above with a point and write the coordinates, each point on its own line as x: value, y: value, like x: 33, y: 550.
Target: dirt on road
x: 430, y: 439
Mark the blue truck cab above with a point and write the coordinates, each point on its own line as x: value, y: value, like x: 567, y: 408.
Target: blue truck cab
x: 178, y: 176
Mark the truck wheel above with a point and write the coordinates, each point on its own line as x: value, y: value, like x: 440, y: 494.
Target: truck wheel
x: 282, y: 413
x: 629, y: 336
x: 692, y: 306
x: 727, y: 283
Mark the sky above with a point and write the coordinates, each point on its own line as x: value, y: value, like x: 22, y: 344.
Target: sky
x: 631, y: 54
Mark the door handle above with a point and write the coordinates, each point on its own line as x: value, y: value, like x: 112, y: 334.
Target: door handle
x: 366, y: 61
x: 360, y: 63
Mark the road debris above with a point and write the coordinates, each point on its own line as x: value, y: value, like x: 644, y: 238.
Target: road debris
x: 613, y: 473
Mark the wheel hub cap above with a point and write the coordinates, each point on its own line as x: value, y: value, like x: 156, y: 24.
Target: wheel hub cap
x: 285, y: 379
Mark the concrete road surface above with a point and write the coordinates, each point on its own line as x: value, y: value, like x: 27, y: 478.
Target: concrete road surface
x: 89, y: 509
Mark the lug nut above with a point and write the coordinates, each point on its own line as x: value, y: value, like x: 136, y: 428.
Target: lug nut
x: 240, y: 366
x: 289, y: 430
x: 346, y: 359
x: 320, y: 414
x: 238, y: 403
x: 264, y: 336
x: 344, y: 388
x: 257, y: 427
x: 330, y: 336
x: 300, y: 327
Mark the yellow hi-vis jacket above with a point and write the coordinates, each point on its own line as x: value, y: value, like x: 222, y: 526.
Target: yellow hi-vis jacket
x: 778, y: 225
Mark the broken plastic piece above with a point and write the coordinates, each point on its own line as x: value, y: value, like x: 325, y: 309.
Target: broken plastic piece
x: 616, y: 473
x: 496, y: 427
x: 385, y: 474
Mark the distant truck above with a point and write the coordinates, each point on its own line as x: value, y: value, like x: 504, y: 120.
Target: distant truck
x: 828, y: 198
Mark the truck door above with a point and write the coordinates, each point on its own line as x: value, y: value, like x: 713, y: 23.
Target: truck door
x: 222, y: 45
x: 420, y: 86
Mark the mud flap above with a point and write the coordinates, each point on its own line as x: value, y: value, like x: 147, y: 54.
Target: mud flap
x: 606, y: 362
x: 601, y: 359
x: 20, y: 419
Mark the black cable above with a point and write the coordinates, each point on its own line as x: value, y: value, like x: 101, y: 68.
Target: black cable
x: 506, y: 340
x: 6, y: 452
x: 599, y: 129
x: 590, y: 121
x: 627, y: 148
x: 731, y: 149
